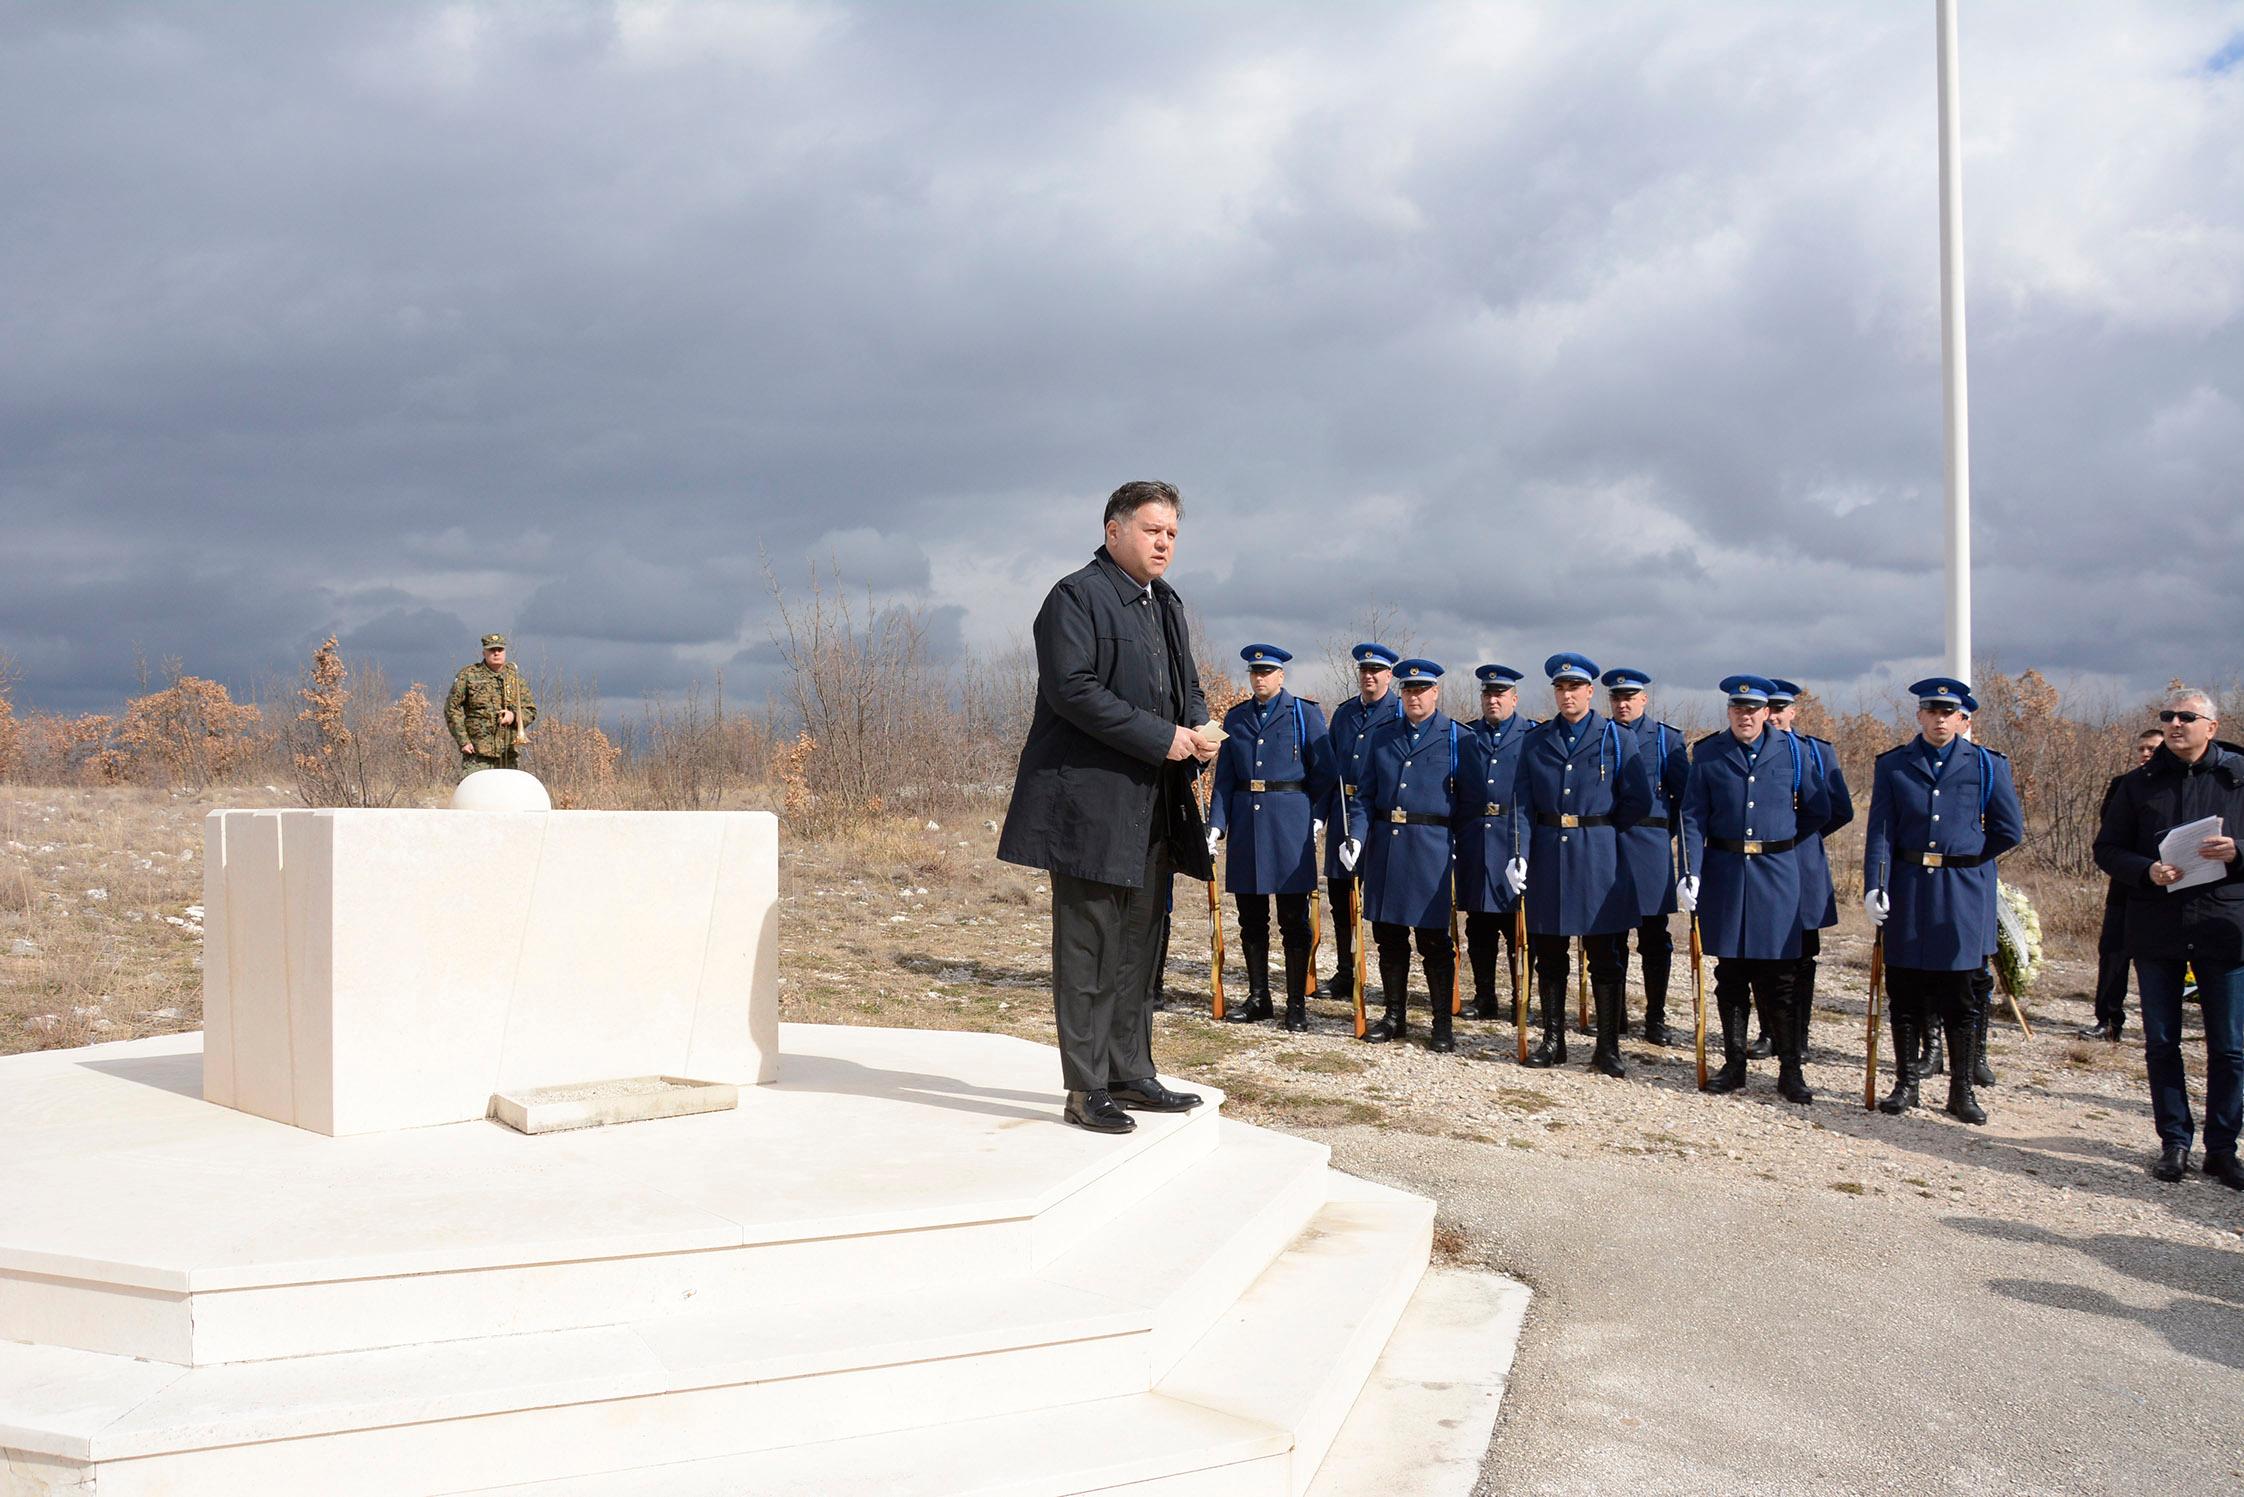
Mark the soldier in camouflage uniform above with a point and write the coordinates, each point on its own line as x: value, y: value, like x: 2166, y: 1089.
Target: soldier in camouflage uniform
x: 488, y: 705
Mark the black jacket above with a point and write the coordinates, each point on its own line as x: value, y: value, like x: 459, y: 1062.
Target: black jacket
x: 2204, y: 925
x: 1097, y: 749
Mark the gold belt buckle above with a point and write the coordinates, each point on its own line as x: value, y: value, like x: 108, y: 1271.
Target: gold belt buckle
x: 1493, y: 810
x: 1346, y: 788
x: 1751, y: 848
x: 1399, y: 818
x: 1932, y: 860
x: 1256, y: 787
x: 1569, y: 819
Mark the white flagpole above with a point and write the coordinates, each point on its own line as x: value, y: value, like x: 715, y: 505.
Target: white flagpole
x: 1955, y: 398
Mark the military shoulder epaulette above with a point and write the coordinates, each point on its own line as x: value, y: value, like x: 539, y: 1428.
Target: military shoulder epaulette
x: 1897, y: 748
x: 1312, y: 701
x: 1709, y: 738
x: 1998, y: 753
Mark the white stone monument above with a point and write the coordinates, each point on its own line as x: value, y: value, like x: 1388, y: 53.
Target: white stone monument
x: 368, y: 970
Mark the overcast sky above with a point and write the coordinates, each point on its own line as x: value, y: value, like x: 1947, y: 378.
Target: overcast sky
x: 1608, y: 327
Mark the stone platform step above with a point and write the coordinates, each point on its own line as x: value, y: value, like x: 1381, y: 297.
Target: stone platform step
x: 744, y: 1396
x: 1295, y: 1350
x: 146, y: 1223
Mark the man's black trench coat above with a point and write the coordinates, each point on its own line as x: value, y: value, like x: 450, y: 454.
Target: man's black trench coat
x: 1098, y: 744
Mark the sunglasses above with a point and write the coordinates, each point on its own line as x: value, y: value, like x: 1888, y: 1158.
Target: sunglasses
x: 2182, y: 717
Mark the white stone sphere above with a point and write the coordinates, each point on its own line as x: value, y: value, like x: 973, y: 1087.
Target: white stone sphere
x: 501, y: 790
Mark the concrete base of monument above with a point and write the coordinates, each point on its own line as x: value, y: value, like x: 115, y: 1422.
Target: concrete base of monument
x: 893, y: 1270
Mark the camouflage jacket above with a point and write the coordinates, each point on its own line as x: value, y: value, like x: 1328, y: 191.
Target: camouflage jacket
x: 471, y: 709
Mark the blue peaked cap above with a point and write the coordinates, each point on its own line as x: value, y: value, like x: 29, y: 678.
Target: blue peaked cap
x: 1781, y: 690
x: 1940, y: 691
x: 1754, y: 689
x: 1265, y: 655
x: 1626, y: 680
x: 1496, y: 677
x: 1368, y: 653
x: 1579, y: 667
x: 1417, y: 670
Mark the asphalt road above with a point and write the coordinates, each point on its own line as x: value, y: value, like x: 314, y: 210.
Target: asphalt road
x: 1778, y: 1337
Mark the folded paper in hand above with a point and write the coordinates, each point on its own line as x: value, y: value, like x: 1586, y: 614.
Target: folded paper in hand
x: 2178, y: 848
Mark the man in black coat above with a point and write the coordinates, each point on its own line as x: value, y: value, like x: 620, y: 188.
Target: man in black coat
x: 1103, y: 801
x: 2176, y: 923
x: 2111, y: 938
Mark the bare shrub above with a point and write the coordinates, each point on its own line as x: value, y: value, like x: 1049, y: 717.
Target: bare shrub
x: 189, y: 735
x: 570, y: 753
x: 353, y: 744
x: 11, y: 731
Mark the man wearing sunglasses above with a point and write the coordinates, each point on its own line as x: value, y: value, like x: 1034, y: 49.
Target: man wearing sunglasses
x: 2178, y: 922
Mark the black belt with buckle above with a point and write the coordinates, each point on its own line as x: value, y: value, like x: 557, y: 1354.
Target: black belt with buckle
x: 1567, y: 819
x: 1659, y: 823
x: 1752, y: 848
x: 1492, y: 808
x: 1416, y: 818
x: 1264, y: 787
x: 1925, y: 859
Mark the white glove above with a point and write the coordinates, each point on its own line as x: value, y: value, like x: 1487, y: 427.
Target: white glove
x: 1350, y: 850
x: 1215, y: 835
x: 1317, y: 826
x: 1876, y: 906
x: 1687, y: 894
x: 1515, y: 875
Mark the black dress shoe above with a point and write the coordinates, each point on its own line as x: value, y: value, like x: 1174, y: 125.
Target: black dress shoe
x: 2226, y: 1169
x: 1149, y: 1095
x: 1762, y: 1048
x: 2172, y: 1165
x: 1096, y: 1111
x: 2101, y: 1032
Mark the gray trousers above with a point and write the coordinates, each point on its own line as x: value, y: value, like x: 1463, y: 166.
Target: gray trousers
x: 1106, y: 941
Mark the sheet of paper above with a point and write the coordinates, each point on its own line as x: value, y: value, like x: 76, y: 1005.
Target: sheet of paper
x: 2179, y: 847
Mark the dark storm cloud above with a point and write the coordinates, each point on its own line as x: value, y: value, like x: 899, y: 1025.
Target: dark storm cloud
x: 1609, y: 327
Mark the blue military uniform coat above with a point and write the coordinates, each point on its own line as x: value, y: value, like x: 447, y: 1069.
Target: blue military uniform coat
x: 1942, y: 918
x: 1273, y: 842
x: 1406, y: 864
x: 1759, y: 793
x: 1575, y: 882
x: 1352, y: 723
x: 1648, y: 848
x: 1819, y: 900
x: 1487, y: 761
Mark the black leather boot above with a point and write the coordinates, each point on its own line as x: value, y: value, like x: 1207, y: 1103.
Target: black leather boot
x: 1735, y: 1018
x: 1440, y: 973
x: 1932, y: 1058
x: 1342, y: 984
x: 1551, y: 1049
x: 1792, y: 1082
x: 1609, y: 999
x: 1655, y: 1008
x: 1904, y: 1093
x: 1962, y: 1105
x: 1803, y: 1003
x: 1482, y: 955
x: 1254, y: 955
x: 1297, y: 978
x: 1394, y: 982
x: 1981, y: 1073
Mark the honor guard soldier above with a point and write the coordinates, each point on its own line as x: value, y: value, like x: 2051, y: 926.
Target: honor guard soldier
x: 1400, y: 844
x: 1648, y: 848
x: 1488, y: 834
x: 1983, y: 980
x: 1579, y: 785
x: 1942, y: 810
x: 1274, y: 772
x: 489, y: 710
x: 1375, y: 702
x: 1749, y: 796
x: 1819, y: 900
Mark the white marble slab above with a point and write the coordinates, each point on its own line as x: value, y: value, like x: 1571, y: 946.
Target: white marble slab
x: 371, y: 970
